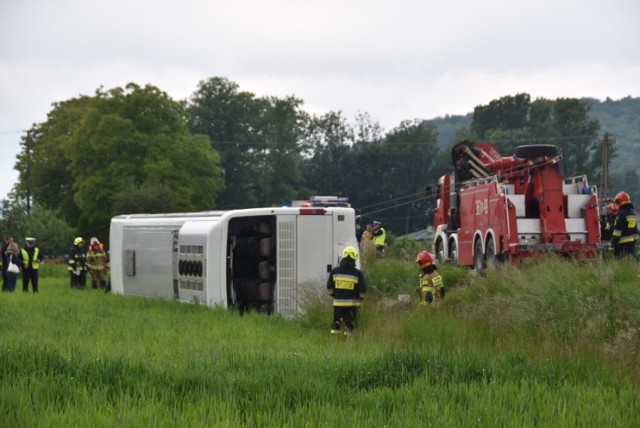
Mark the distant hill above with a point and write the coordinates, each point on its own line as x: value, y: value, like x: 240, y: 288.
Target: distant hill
x: 448, y: 126
x: 620, y: 118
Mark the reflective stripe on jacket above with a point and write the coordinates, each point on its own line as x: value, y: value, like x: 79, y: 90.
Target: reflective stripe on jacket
x: 346, y: 284
x: 430, y: 280
x: 97, y: 260
x: 77, y: 259
x: 625, y: 226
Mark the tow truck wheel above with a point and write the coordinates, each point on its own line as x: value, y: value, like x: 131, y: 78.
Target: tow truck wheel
x: 439, y: 252
x: 536, y: 151
x: 453, y: 252
x: 490, y: 257
x: 478, y: 257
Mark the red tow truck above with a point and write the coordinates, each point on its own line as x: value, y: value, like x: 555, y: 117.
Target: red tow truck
x: 495, y: 208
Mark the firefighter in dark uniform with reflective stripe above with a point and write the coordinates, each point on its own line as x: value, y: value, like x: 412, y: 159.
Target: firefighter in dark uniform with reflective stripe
x: 346, y: 284
x: 78, y: 264
x: 606, y: 222
x: 625, y: 231
x: 431, y: 286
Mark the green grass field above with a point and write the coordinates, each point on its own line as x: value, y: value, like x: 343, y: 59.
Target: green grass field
x: 548, y: 343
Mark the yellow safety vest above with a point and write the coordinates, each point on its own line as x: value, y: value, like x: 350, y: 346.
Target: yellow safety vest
x: 380, y: 239
x: 25, y: 258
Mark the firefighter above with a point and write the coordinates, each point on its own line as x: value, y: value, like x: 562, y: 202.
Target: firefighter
x: 78, y: 264
x: 625, y: 231
x: 30, y: 257
x: 346, y: 284
x: 97, y: 263
x: 379, y: 238
x: 606, y: 222
x: 8, y: 240
x: 431, y: 286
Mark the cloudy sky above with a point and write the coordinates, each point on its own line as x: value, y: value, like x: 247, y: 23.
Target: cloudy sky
x: 397, y: 60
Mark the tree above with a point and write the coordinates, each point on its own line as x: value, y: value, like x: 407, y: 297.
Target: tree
x: 96, y: 152
x: 330, y: 137
x: 410, y: 152
x: 510, y: 112
x: 229, y: 117
x: 260, y: 139
x: 578, y: 135
x: 44, y: 165
x: 280, y: 161
x: 513, y: 121
x: 53, y: 235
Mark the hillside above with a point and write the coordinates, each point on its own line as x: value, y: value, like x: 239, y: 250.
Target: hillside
x: 620, y: 118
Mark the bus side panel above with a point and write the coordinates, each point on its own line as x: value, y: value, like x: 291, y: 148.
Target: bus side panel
x: 315, y: 248
x: 149, y: 251
x: 344, y: 233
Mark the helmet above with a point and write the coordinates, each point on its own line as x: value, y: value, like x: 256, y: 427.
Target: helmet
x: 93, y: 240
x: 78, y: 240
x: 424, y: 259
x: 613, y: 208
x: 350, y: 252
x: 622, y: 198
x: 376, y: 223
x: 30, y: 240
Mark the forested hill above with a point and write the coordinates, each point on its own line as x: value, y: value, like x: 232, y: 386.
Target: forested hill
x: 448, y: 127
x: 620, y: 118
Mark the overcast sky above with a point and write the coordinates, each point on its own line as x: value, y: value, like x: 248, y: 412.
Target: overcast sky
x: 397, y: 60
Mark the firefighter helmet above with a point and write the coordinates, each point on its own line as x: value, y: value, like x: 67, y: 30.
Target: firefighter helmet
x: 424, y: 259
x: 613, y: 209
x: 350, y: 252
x: 622, y: 198
x: 78, y: 240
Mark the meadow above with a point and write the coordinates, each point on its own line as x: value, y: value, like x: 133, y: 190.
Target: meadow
x: 545, y: 343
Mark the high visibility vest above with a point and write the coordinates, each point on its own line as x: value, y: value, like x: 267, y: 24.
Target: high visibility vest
x: 380, y: 239
x: 35, y: 264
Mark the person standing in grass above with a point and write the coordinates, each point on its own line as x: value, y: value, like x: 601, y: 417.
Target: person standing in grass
x: 30, y: 258
x: 3, y: 260
x: 431, y: 285
x: 379, y: 238
x: 78, y: 264
x: 625, y: 228
x: 97, y: 264
x: 11, y: 259
x: 346, y: 284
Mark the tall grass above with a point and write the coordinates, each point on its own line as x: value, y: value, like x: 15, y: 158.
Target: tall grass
x: 549, y: 343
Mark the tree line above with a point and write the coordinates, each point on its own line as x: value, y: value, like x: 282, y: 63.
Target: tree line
x: 135, y: 149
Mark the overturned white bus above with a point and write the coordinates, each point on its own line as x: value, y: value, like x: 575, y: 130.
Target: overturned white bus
x: 265, y: 259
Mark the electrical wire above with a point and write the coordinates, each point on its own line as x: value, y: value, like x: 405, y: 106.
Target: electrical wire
x: 432, y: 193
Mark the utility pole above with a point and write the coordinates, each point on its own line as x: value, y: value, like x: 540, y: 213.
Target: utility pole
x: 27, y: 143
x: 604, y: 176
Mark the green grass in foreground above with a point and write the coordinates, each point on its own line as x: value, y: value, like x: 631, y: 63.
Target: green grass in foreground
x: 551, y: 343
